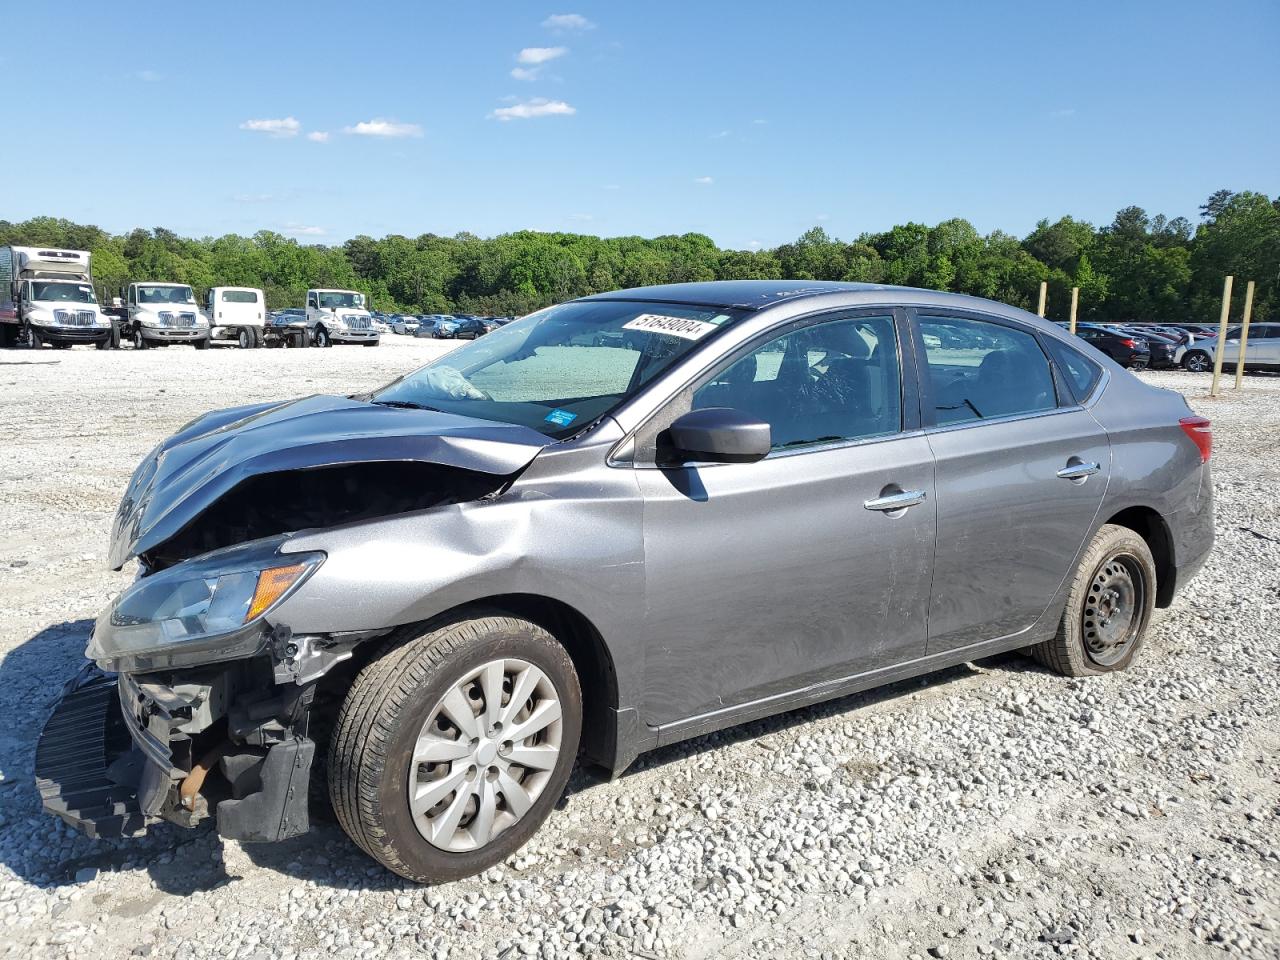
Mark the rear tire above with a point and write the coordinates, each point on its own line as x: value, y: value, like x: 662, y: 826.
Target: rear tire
x: 395, y: 735
x: 245, y: 338
x: 1108, y: 609
x: 258, y: 338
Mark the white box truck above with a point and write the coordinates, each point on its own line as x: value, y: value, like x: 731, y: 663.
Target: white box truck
x: 46, y: 297
x: 236, y: 313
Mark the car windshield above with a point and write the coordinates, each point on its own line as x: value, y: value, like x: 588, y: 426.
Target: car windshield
x: 340, y: 298
x: 239, y: 296
x: 165, y: 294
x: 560, y: 369
x: 62, y: 292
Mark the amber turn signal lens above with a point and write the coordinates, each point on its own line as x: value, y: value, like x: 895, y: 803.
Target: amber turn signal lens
x: 271, y: 587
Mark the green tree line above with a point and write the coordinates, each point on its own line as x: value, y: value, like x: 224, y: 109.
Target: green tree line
x: 1138, y: 267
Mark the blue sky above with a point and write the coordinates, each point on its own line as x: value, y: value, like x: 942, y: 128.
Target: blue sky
x: 750, y: 121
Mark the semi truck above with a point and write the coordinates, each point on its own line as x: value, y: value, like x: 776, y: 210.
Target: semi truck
x: 47, y: 297
x: 236, y: 313
x: 339, y: 316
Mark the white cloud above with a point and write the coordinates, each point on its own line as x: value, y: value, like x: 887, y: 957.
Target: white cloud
x: 287, y: 127
x: 252, y: 197
x: 581, y: 216
x: 705, y: 181
x: 568, y: 22
x: 753, y: 244
x: 612, y: 186
x: 525, y: 73
x: 721, y: 134
x: 381, y: 127
x: 148, y: 76
x: 823, y: 216
x: 759, y: 123
x: 536, y: 55
x: 318, y: 136
x: 1065, y: 112
x: 298, y: 230
x: 537, y: 107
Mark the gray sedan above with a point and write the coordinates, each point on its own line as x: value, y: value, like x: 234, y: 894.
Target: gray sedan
x: 606, y: 527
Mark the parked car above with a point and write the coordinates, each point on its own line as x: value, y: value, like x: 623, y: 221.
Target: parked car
x: 436, y: 326
x: 1165, y: 352
x: 1262, y: 352
x: 471, y: 328
x: 404, y: 324
x: 287, y: 328
x: 1199, y: 330
x: 161, y: 314
x: 761, y: 501
x: 1125, y: 349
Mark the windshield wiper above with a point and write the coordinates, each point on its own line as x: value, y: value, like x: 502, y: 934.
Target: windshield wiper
x: 406, y: 405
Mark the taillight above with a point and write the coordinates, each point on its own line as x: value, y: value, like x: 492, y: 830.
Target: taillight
x: 1130, y: 342
x: 1200, y: 431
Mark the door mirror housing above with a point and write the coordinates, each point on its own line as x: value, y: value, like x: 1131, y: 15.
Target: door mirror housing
x: 719, y: 435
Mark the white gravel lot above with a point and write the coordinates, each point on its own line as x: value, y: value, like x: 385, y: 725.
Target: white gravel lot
x: 989, y: 810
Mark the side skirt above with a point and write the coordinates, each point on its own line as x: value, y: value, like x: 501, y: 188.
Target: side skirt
x: 831, y: 689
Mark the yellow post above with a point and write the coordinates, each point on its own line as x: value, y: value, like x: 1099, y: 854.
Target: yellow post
x: 1222, y: 336
x: 1244, y: 332
x: 1075, y: 301
x: 1044, y: 295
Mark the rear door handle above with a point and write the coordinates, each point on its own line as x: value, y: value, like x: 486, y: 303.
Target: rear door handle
x: 895, y: 501
x: 1078, y: 470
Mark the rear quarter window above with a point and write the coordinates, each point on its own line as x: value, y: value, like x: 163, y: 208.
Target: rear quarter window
x: 1082, y: 373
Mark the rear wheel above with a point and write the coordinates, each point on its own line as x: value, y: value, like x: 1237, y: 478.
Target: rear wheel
x: 1108, y: 608
x: 451, y: 748
x: 245, y: 338
x: 258, y: 339
x: 1197, y: 361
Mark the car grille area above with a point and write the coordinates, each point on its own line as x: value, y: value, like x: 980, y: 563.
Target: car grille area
x: 74, y: 318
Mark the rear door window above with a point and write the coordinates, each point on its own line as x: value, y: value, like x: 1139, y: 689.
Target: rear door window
x: 1081, y: 372
x: 980, y: 370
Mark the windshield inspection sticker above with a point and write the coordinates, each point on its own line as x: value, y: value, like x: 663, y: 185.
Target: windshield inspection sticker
x: 672, y: 326
x: 561, y: 418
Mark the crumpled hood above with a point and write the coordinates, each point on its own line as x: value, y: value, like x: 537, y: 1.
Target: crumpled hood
x: 193, y: 469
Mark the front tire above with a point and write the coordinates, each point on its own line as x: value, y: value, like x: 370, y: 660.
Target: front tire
x: 322, y: 337
x: 139, y: 341
x: 1197, y: 361
x: 1108, y: 608
x: 453, y: 746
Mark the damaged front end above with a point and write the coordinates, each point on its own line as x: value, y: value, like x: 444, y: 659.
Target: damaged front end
x: 200, y: 702
x: 196, y: 703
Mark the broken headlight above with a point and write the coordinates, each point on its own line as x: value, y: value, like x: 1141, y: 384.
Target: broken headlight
x: 207, y: 609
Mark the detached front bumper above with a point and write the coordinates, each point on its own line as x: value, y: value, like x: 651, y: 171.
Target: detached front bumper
x: 118, y: 754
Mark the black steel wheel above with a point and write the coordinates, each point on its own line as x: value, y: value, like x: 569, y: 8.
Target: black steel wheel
x: 1108, y: 607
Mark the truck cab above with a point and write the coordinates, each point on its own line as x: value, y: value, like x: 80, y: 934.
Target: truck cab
x: 165, y: 313
x: 236, y: 313
x: 47, y: 297
x: 339, y: 316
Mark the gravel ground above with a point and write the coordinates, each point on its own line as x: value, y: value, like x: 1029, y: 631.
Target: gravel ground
x: 989, y: 810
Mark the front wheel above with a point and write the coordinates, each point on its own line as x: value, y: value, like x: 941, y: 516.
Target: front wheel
x: 322, y: 338
x: 201, y: 344
x: 1197, y: 361
x: 452, y: 747
x: 371, y: 343
x: 1108, y: 608
x: 139, y: 341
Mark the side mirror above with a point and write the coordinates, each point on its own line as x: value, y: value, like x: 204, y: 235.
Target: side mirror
x: 720, y: 435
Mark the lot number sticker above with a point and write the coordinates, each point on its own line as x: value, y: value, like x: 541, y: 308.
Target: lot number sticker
x: 672, y: 326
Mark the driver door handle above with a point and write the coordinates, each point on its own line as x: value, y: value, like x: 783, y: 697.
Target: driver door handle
x: 895, y: 501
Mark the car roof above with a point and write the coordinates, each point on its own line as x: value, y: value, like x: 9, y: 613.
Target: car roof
x: 762, y: 294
